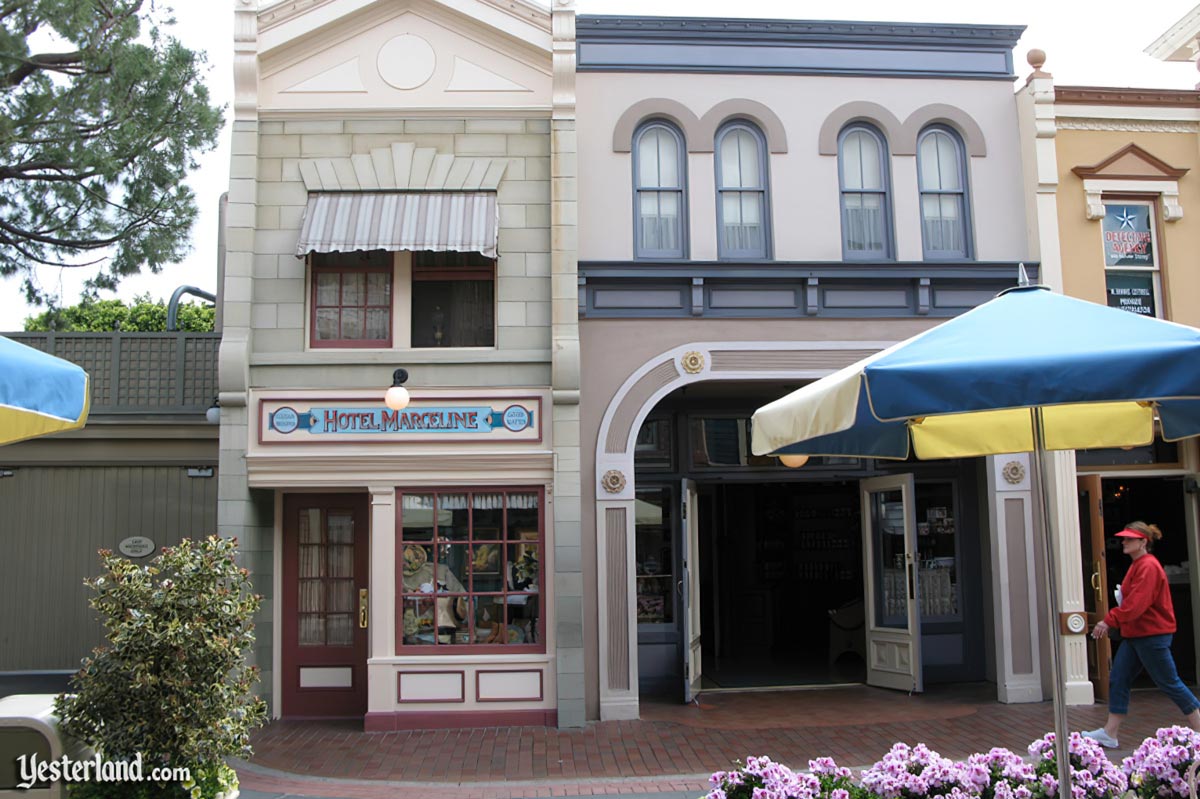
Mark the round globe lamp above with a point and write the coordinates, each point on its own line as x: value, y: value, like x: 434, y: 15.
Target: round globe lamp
x: 793, y: 461
x: 397, y: 397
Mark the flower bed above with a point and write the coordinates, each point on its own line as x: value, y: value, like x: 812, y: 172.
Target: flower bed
x: 1156, y: 770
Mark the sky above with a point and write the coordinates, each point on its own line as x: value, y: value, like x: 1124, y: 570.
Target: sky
x: 1095, y: 43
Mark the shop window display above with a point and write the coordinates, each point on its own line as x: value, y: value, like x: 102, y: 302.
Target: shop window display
x: 469, y: 566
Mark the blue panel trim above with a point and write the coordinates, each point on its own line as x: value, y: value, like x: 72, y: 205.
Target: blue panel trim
x: 681, y: 44
x: 789, y: 290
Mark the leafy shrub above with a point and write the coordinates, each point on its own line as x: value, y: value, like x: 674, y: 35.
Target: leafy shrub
x: 171, y: 683
x: 142, y: 315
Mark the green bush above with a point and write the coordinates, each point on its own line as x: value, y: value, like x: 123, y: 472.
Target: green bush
x: 172, y: 682
x: 142, y: 315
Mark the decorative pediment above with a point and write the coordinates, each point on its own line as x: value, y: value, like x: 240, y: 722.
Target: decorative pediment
x: 1131, y: 170
x: 1131, y: 162
x: 405, y: 55
x: 402, y: 166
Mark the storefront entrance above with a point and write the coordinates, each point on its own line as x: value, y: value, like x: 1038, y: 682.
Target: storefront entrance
x: 781, y: 587
x: 324, y: 605
x: 1107, y: 503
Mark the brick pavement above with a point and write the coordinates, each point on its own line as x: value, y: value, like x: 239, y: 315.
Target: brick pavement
x: 671, y: 748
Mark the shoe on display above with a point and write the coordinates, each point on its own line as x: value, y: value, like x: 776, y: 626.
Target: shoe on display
x: 1101, y: 737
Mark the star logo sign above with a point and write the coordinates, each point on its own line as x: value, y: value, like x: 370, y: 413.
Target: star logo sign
x: 1126, y: 219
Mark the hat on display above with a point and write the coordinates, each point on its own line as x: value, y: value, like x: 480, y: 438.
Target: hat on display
x: 1127, y: 533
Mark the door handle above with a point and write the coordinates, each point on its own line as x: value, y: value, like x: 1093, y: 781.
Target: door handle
x: 912, y: 594
x: 362, y: 608
x: 679, y: 588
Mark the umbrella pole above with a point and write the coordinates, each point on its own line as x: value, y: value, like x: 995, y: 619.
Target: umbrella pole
x: 1050, y: 585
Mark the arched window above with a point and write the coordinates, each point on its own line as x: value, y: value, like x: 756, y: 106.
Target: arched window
x: 941, y: 170
x: 660, y: 181
x: 742, y: 209
x: 866, y: 206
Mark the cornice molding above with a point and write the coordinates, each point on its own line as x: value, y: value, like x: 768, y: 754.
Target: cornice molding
x: 1099, y: 95
x: 724, y: 29
x: 1129, y: 125
x: 280, y: 13
x: 1178, y: 43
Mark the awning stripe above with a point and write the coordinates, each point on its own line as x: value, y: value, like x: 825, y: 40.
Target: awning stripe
x: 437, y: 221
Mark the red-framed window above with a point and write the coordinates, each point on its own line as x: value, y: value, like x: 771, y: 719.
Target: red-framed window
x: 468, y: 566
x: 351, y: 303
x: 453, y: 300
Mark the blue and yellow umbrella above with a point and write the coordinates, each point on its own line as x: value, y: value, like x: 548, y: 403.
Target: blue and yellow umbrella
x: 39, y: 394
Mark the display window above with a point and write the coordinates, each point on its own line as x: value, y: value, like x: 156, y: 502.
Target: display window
x: 1131, y: 259
x: 469, y: 570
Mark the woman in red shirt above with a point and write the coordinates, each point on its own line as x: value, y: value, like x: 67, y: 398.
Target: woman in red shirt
x: 1145, y: 618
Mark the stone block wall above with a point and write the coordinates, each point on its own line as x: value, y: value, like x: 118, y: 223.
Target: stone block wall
x: 278, y: 310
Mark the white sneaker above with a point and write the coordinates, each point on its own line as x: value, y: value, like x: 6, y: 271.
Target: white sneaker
x: 1101, y: 737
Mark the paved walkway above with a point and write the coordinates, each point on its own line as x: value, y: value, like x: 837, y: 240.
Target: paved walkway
x: 672, y: 748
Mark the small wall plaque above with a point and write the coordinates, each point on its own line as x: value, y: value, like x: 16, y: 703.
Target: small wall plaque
x: 136, y: 546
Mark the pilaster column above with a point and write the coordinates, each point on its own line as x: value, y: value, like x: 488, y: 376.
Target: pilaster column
x: 615, y: 566
x: 381, y: 627
x: 1014, y: 577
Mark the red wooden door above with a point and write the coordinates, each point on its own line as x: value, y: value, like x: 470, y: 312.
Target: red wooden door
x: 326, y: 550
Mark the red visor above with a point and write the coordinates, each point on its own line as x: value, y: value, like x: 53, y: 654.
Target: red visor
x: 1127, y: 533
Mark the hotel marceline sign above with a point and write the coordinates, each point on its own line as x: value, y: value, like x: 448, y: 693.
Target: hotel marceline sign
x: 444, y: 419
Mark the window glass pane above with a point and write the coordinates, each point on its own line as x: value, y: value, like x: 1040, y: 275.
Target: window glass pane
x: 648, y: 154
x: 312, y: 562
x: 327, y: 324
x: 328, y: 288
x: 654, y: 556
x: 416, y: 620
x: 658, y: 159
x: 312, y: 630
x: 354, y: 288
x: 741, y: 214
x: 453, y: 560
x: 417, y: 567
x: 863, y: 222
x: 352, y: 323
x: 379, y: 288
x: 310, y: 526
x: 416, y: 517
x: 377, y: 324
x: 739, y: 160
x: 339, y: 629
x: 340, y: 596
x: 453, y: 313
x: 457, y: 525
x: 659, y: 221
x: 942, y: 223
x: 891, y: 573
x: 861, y: 161
x: 486, y: 567
x: 487, y: 516
x: 340, y: 527
x: 939, y: 167
x: 522, y: 516
x: 948, y: 163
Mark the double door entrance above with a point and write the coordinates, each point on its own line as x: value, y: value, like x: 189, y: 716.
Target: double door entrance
x: 803, y: 583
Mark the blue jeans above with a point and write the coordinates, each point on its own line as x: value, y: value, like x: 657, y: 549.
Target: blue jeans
x: 1154, y: 653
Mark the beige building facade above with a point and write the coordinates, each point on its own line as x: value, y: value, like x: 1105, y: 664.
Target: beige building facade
x: 1111, y: 176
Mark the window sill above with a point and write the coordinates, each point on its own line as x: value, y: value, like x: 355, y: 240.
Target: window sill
x: 465, y: 355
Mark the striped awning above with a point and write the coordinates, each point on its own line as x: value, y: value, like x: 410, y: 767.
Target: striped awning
x: 399, y: 220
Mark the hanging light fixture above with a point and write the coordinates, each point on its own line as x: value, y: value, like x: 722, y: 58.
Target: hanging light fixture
x: 397, y: 397
x: 793, y: 461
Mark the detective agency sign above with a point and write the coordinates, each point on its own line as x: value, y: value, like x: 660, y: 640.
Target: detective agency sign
x: 446, y: 420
